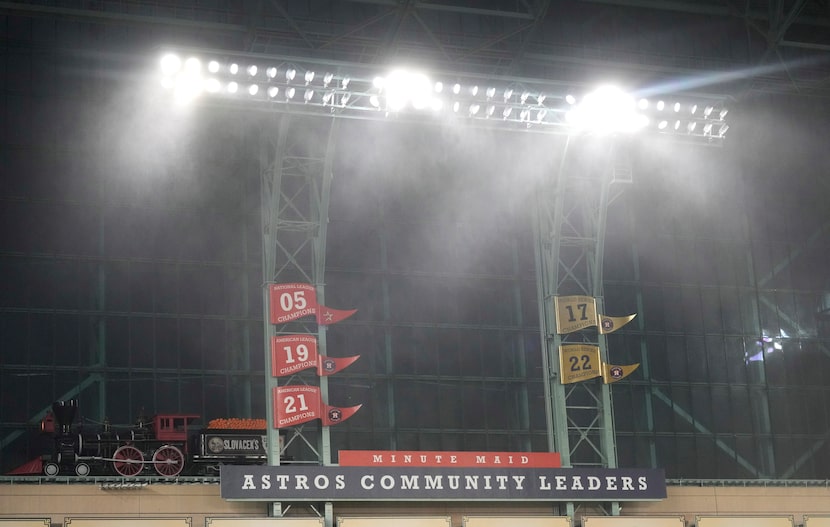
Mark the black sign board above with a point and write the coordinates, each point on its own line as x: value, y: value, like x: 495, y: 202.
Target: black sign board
x: 335, y: 483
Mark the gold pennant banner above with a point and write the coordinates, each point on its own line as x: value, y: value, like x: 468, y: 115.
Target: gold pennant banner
x: 612, y: 373
x: 574, y: 313
x: 611, y: 324
x: 578, y: 362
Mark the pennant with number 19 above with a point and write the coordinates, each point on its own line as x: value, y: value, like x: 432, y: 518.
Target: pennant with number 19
x: 293, y: 353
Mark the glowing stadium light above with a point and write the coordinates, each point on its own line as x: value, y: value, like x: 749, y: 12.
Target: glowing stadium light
x: 344, y: 83
x: 661, y: 105
x: 662, y: 125
x: 707, y: 129
x: 606, y: 110
x: 540, y: 117
x: 213, y: 85
x: 677, y: 125
x: 289, y: 93
x: 309, y: 77
x: 290, y: 73
x: 474, y: 91
x: 507, y: 111
x: 327, y: 78
x: 308, y: 95
x: 691, y: 126
x: 474, y: 108
x: 508, y: 93
x: 252, y: 69
x: 253, y: 89
x: 271, y: 72
x: 694, y: 109
x: 213, y: 66
x: 374, y: 101
x: 570, y: 99
x: 344, y: 100
x: 233, y: 68
x: 328, y: 97
x: 456, y: 88
x: 722, y: 130
x: 490, y: 93
x: 439, y: 87
x: 170, y: 64
x: 404, y: 87
x: 524, y: 97
x: 676, y: 107
x: 273, y: 91
x: 540, y: 99
x: 456, y: 106
x: 723, y: 113
x: 708, y: 111
x: 233, y: 87
x: 642, y: 104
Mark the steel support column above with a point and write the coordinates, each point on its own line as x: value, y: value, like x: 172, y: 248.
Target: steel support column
x: 296, y: 170
x: 570, y: 233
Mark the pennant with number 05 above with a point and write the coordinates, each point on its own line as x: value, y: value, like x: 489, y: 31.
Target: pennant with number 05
x: 297, y: 404
x: 296, y: 300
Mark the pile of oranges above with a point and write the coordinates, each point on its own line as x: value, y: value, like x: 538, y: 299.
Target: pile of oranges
x: 237, y: 423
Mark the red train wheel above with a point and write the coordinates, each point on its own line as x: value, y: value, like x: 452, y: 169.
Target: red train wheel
x: 168, y: 461
x: 128, y: 461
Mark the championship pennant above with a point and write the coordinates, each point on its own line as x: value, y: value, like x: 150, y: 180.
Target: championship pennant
x: 297, y: 404
x: 580, y: 362
x: 293, y: 353
x: 296, y: 300
x: 579, y: 312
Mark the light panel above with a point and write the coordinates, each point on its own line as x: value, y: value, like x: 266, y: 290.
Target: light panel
x: 355, y: 90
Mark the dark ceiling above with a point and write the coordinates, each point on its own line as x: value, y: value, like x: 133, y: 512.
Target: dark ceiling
x: 728, y: 47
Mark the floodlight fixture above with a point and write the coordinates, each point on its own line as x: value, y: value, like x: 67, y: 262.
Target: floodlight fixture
x: 607, y: 110
x: 355, y: 90
x: 170, y: 64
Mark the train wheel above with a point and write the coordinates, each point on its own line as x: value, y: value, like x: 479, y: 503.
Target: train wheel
x: 128, y: 461
x: 168, y: 461
x: 82, y: 469
x: 51, y: 469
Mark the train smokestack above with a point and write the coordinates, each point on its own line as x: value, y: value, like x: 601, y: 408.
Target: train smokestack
x: 64, y: 412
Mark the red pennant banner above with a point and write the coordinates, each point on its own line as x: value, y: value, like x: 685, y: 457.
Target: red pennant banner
x: 296, y: 300
x: 293, y: 353
x: 331, y: 365
x: 297, y: 404
x: 333, y: 415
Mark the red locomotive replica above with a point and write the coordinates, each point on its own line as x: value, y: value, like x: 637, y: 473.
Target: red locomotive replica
x: 166, y: 445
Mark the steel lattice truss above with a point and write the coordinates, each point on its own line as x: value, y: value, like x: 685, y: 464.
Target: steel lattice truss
x: 723, y: 45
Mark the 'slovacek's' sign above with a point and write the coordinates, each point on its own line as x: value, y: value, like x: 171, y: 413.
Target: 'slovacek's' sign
x: 338, y: 483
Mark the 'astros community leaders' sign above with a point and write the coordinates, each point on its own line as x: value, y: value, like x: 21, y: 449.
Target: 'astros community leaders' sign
x: 336, y: 483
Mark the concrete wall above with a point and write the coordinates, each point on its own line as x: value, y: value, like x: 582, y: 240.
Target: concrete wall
x: 199, y: 502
